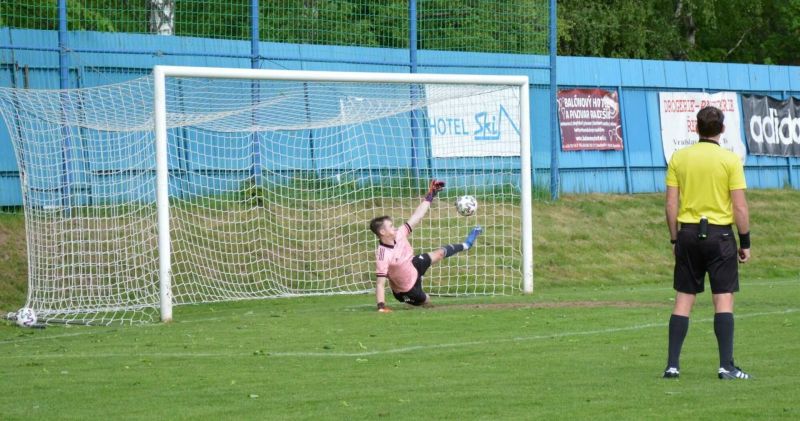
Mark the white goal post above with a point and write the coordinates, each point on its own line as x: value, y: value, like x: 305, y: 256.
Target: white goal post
x: 200, y: 185
x: 161, y: 73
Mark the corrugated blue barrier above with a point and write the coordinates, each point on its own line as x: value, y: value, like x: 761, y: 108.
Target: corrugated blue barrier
x: 637, y: 169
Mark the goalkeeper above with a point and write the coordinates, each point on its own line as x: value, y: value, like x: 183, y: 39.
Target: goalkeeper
x: 396, y: 260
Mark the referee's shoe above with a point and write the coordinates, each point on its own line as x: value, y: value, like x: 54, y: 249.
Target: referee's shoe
x: 671, y: 373
x: 735, y: 373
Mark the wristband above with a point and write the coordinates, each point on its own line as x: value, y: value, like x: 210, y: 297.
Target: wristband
x: 429, y: 197
x: 744, y: 240
x: 381, y: 306
x: 673, y: 241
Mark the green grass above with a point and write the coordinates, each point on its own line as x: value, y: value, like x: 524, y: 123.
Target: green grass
x: 619, y: 239
x: 588, y: 240
x: 590, y: 343
x: 563, y: 353
x: 13, y: 260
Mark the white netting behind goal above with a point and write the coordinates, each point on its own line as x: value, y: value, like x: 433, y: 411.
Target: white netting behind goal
x: 271, y: 188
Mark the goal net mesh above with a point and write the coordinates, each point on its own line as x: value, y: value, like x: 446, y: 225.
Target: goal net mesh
x: 271, y: 188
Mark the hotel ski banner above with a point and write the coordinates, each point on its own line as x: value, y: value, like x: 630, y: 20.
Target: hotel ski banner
x: 486, y: 123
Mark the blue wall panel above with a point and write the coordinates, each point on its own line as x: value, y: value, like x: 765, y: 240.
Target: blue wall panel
x: 759, y: 77
x: 582, y: 171
x: 654, y: 74
x: 696, y: 75
x: 675, y: 74
x: 717, y: 76
x: 631, y: 72
x: 637, y: 130
x: 779, y: 77
x: 739, y: 77
x: 540, y: 127
x: 794, y: 78
x: 653, y: 116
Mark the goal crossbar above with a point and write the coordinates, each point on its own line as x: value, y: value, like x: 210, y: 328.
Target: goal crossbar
x: 199, y: 185
x: 161, y: 73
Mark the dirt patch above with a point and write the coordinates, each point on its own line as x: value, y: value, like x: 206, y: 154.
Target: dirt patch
x: 548, y: 304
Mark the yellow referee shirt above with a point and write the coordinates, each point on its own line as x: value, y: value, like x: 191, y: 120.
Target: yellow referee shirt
x: 705, y: 174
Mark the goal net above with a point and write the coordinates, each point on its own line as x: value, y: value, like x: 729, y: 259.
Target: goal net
x: 198, y: 185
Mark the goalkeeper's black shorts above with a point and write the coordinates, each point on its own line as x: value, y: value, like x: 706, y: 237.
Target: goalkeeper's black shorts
x: 416, y: 296
x: 715, y: 254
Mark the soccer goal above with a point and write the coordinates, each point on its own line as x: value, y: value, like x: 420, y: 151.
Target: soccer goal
x: 197, y: 185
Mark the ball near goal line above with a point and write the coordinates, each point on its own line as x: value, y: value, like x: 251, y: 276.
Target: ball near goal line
x: 196, y: 185
x: 25, y: 317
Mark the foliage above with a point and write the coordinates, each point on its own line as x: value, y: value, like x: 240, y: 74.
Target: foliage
x: 744, y: 31
x: 484, y: 25
x: 618, y: 28
x: 465, y: 25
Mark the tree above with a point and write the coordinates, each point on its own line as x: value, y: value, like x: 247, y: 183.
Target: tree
x: 162, y: 17
x: 617, y: 28
x: 745, y: 31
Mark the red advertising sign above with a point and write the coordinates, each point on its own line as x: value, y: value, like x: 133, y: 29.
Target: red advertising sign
x: 589, y: 120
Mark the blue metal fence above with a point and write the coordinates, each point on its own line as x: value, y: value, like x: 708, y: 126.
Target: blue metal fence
x: 27, y: 59
x: 30, y: 50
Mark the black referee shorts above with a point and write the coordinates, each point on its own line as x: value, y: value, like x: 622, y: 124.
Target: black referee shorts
x: 715, y: 254
x: 416, y: 296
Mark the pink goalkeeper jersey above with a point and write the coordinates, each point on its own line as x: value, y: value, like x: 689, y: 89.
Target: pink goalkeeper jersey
x: 394, y: 262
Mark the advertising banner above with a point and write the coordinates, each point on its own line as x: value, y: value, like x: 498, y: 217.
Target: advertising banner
x: 484, y: 124
x: 589, y: 120
x: 772, y: 126
x: 679, y: 120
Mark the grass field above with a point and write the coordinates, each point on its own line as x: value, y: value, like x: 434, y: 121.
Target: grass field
x: 590, y: 343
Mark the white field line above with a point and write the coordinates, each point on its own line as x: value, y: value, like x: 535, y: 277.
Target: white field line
x: 378, y: 352
x: 100, y: 330
x: 507, y: 340
x: 668, y: 288
x: 617, y: 290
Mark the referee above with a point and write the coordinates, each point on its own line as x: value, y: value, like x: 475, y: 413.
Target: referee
x: 705, y: 194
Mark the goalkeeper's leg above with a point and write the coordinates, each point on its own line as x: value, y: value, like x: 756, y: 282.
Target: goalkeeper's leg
x: 452, y: 249
x: 416, y: 296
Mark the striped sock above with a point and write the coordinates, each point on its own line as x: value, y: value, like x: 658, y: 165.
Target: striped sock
x: 452, y: 249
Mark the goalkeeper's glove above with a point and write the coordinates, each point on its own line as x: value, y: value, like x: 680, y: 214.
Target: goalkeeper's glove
x: 434, y: 188
x: 383, y: 309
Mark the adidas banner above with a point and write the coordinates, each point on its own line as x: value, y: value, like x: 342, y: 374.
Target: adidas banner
x: 772, y: 126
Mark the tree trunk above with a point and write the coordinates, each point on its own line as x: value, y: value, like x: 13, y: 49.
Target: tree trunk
x: 691, y: 30
x: 687, y: 22
x: 162, y: 17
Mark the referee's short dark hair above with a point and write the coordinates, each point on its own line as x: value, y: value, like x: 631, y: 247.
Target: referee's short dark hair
x: 710, y: 121
x: 376, y: 224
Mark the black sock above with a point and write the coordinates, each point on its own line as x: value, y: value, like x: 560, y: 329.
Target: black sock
x: 452, y: 249
x: 723, y: 328
x: 678, y: 326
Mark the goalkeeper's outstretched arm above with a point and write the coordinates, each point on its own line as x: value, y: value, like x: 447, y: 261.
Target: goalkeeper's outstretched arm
x: 433, y: 189
x: 380, y: 292
x: 419, y: 213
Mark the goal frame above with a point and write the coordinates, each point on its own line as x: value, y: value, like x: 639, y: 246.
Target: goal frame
x: 161, y: 73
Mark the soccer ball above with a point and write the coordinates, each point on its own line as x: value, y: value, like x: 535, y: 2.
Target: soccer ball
x: 466, y: 205
x: 26, y: 317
